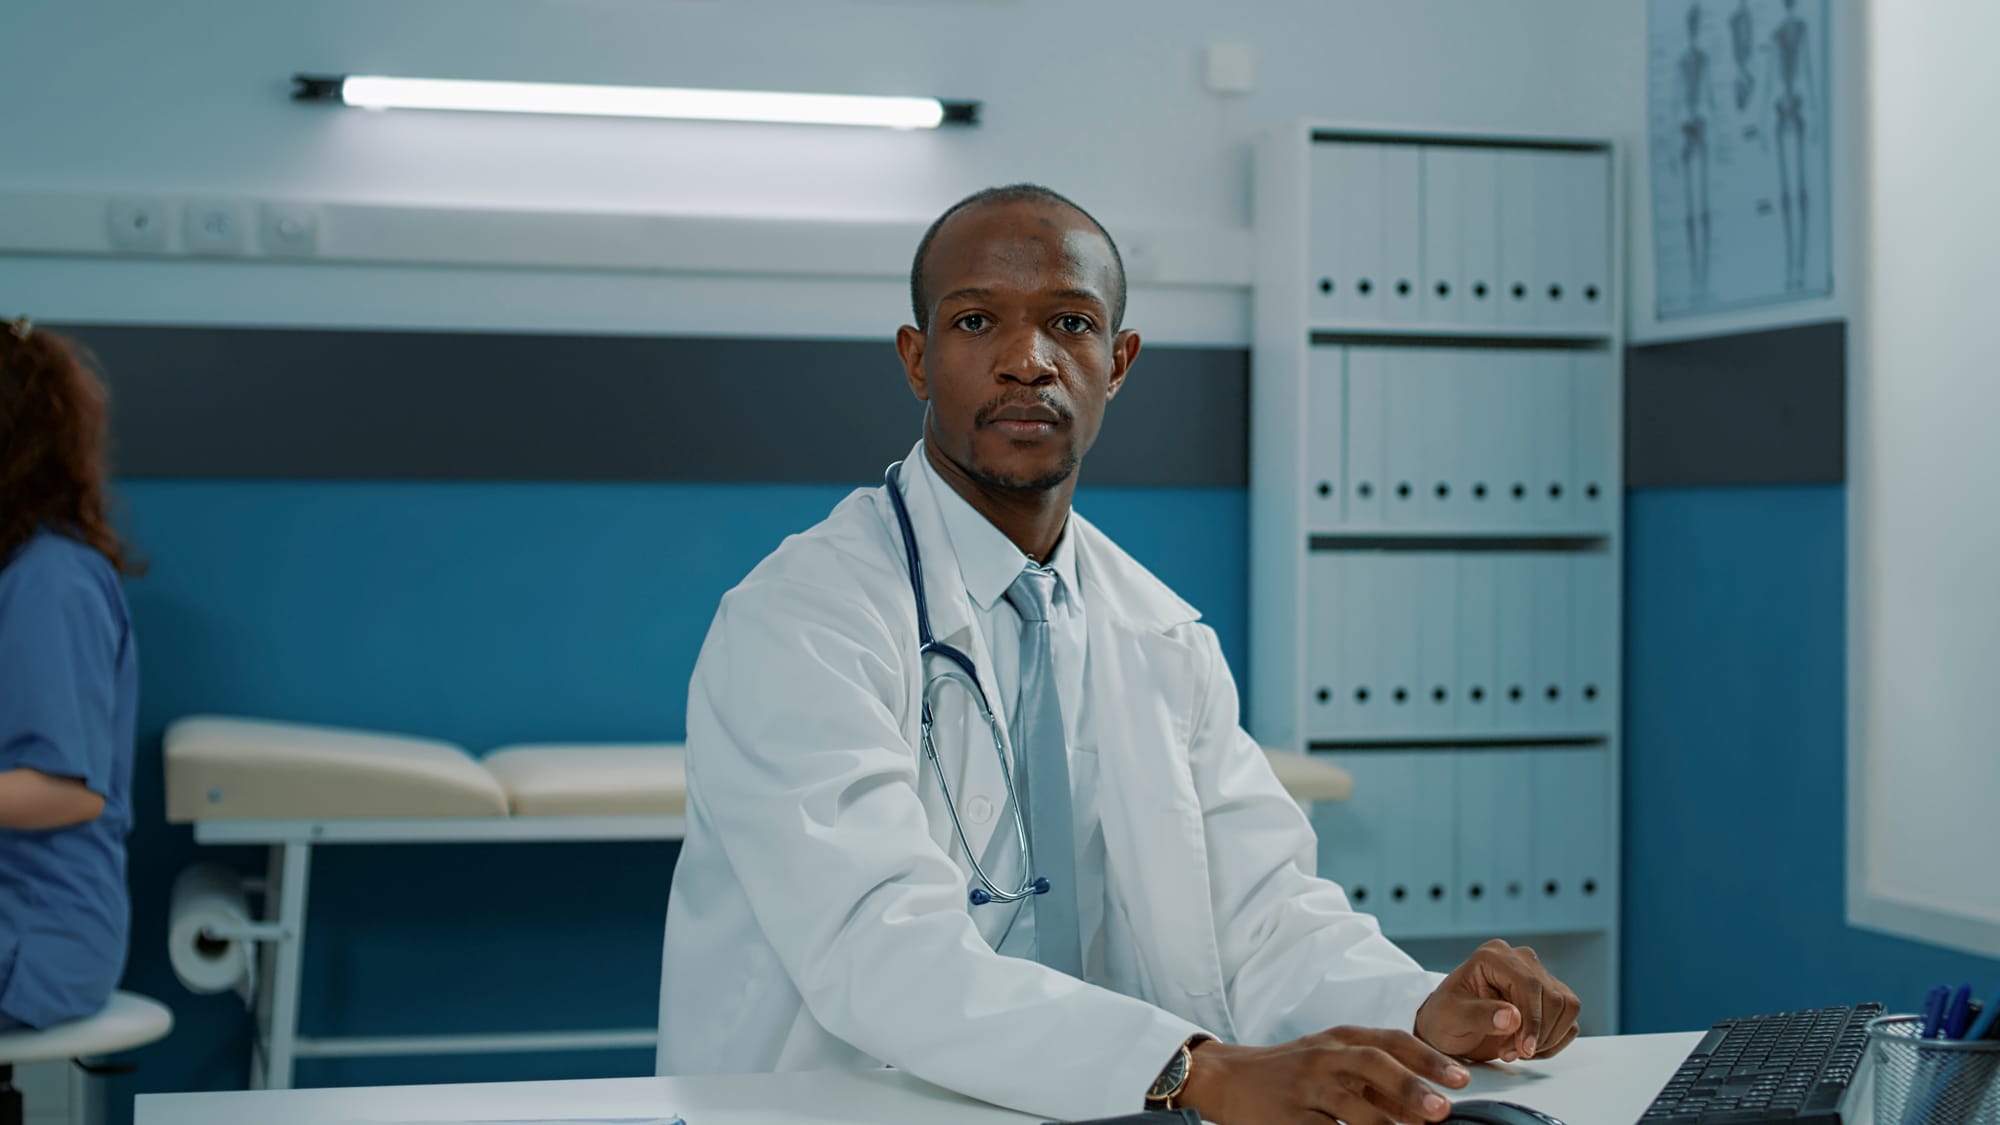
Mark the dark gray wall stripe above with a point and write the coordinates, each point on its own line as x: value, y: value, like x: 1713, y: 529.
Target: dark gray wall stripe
x: 337, y: 404
x: 1756, y: 408
x: 258, y: 403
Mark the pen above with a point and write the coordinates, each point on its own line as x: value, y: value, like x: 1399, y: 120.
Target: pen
x: 1987, y: 1026
x: 1934, y: 1011
x: 1958, y: 1014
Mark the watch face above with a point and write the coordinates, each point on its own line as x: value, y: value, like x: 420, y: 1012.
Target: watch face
x: 1171, y: 1078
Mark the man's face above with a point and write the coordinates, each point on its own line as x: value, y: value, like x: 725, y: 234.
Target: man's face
x: 1020, y: 356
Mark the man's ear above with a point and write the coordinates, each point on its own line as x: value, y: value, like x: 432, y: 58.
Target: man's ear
x: 1124, y: 349
x: 910, y: 346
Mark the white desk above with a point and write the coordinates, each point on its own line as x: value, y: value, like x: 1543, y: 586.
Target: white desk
x: 1603, y: 1081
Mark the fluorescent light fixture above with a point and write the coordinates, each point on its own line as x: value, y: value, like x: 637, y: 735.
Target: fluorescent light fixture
x: 373, y: 92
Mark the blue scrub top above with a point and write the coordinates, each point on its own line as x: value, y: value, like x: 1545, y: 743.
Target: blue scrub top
x: 69, y: 696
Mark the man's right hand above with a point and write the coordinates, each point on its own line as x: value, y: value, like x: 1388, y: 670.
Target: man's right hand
x: 1360, y: 1075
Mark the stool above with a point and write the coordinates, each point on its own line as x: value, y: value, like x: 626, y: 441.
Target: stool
x: 128, y: 1021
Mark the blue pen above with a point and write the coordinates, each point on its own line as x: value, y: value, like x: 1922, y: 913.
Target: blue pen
x: 1958, y: 1013
x: 1987, y: 1026
x: 1934, y: 1010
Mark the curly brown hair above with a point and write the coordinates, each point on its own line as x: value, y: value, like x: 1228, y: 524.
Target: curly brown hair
x: 52, y: 444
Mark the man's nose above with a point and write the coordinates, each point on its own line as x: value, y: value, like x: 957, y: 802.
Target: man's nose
x: 1027, y: 355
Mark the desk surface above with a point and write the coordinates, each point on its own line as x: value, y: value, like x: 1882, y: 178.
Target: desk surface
x: 1601, y: 1081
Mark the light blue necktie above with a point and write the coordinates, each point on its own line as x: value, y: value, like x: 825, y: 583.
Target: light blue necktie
x: 1041, y: 776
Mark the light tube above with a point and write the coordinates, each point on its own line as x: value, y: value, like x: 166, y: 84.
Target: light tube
x: 375, y: 92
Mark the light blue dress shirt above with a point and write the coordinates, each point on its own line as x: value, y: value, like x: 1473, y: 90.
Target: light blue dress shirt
x: 69, y: 695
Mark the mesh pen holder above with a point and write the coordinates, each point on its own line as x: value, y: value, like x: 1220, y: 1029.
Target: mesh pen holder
x: 1932, y: 1081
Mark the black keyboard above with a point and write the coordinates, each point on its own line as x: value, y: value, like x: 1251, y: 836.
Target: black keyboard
x: 1786, y: 1066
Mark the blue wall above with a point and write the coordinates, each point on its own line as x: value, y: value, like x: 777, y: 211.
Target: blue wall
x: 483, y: 614
x: 1735, y: 766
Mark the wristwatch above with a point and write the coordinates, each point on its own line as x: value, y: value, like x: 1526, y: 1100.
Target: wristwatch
x: 1174, y: 1077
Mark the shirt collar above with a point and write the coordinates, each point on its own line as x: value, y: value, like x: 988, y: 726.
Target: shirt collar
x: 988, y: 561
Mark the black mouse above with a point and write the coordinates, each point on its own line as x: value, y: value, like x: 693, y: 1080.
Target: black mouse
x: 1481, y: 1111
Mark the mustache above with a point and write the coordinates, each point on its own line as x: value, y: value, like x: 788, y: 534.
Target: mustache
x: 987, y: 412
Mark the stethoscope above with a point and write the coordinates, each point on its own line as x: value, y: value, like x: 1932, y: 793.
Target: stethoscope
x: 960, y: 671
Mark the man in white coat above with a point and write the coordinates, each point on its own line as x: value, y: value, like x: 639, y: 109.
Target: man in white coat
x: 826, y: 908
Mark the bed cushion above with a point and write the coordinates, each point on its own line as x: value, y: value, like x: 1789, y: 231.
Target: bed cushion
x: 592, y: 779
x: 221, y: 768
x: 1308, y: 778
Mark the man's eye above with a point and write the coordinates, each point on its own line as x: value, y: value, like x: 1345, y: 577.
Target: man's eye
x: 972, y: 322
x: 1071, y: 322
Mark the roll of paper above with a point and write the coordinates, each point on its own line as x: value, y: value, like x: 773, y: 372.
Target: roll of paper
x: 208, y: 897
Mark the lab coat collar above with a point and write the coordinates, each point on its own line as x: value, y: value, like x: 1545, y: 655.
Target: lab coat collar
x: 1109, y: 581
x: 988, y: 561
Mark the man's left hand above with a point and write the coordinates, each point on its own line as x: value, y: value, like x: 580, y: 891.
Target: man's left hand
x: 1501, y: 1004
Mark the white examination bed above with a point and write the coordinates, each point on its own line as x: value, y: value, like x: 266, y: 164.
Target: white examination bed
x: 290, y: 787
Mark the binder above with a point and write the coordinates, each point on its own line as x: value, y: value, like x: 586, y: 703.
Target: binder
x: 1520, y: 214
x: 1546, y: 381
x: 1325, y: 437
x: 1426, y: 860
x: 1366, y: 419
x: 1556, y: 297
x: 1435, y: 576
x: 1396, y: 596
x: 1357, y: 188
x: 1325, y: 625
x: 1445, y: 490
x: 1514, y: 418
x: 1594, y: 427
x: 1589, y: 178
x: 1513, y: 782
x: 1400, y: 222
x: 1479, y: 235
x: 1591, y: 870
x: 1395, y: 866
x: 1572, y: 837
x: 1413, y: 856
x: 1350, y: 832
x: 1514, y: 635
x: 1441, y: 288
x: 1593, y: 632
x: 1550, y: 683
x: 1329, y: 195
x: 1359, y: 697
x: 1405, y: 438
x: 1554, y: 806
x: 1477, y: 708
x: 1480, y: 820
x: 1478, y: 394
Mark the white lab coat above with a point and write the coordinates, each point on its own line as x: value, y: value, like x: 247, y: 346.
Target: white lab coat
x: 819, y: 915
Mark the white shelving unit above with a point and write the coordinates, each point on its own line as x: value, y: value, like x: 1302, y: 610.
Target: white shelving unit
x: 1436, y: 514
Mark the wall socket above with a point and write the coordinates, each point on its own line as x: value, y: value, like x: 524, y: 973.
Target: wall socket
x: 138, y: 224
x: 215, y: 226
x: 289, y: 230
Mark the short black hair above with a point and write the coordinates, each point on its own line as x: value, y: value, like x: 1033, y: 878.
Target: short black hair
x: 1010, y: 193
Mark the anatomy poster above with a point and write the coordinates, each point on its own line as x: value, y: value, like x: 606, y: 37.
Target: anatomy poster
x: 1738, y: 121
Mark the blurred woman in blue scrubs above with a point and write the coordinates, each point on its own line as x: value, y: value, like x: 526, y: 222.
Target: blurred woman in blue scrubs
x: 69, y: 691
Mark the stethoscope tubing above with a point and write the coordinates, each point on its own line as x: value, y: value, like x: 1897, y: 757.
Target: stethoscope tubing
x: 966, y: 674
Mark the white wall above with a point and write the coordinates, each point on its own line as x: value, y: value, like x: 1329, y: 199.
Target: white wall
x: 1924, y: 773
x: 1102, y: 99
